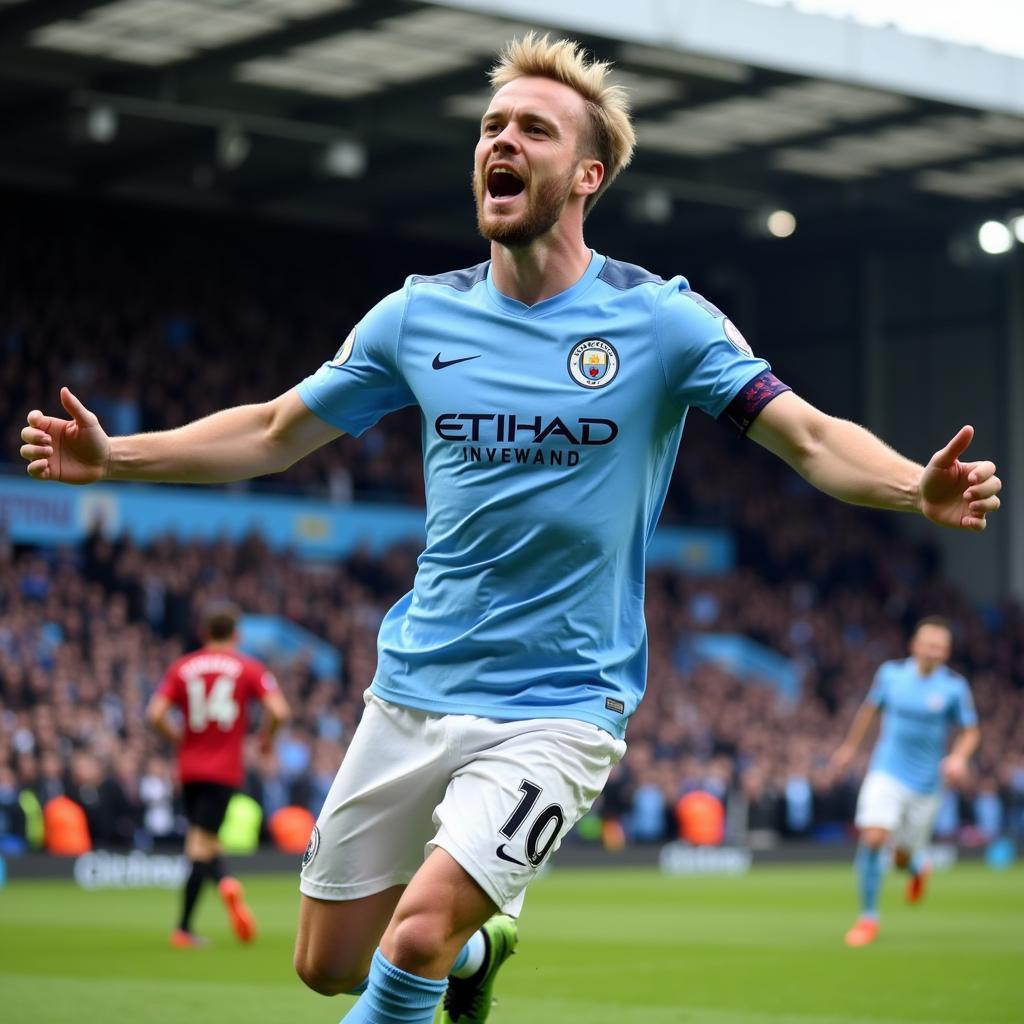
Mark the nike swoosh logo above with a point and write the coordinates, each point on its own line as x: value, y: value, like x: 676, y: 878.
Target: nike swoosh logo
x: 504, y: 856
x: 440, y: 364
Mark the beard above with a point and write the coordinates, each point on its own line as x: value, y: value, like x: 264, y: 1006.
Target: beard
x: 540, y: 216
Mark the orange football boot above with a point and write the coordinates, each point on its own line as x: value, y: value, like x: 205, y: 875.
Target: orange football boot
x: 242, y: 921
x: 864, y: 932
x: 917, y: 884
x: 181, y: 939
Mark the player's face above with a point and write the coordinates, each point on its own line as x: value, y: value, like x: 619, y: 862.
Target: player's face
x: 527, y: 162
x: 931, y: 646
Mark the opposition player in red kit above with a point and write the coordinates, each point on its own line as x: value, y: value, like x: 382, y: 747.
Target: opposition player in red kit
x: 212, y: 688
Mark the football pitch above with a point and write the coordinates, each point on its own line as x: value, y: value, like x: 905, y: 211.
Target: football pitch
x: 597, y: 947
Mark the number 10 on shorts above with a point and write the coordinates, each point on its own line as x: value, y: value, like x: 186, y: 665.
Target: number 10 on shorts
x: 544, y: 831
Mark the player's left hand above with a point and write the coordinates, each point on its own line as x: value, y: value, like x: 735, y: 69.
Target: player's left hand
x: 959, y: 494
x: 954, y: 770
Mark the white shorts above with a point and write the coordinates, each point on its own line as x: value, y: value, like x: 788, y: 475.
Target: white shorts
x: 497, y: 796
x: 885, y: 802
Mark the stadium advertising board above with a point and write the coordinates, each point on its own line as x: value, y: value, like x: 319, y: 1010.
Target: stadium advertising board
x: 31, y: 514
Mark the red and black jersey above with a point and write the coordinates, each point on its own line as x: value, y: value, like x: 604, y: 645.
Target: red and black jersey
x: 213, y: 689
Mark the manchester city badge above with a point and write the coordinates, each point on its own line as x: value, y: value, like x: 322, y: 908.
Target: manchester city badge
x: 593, y: 363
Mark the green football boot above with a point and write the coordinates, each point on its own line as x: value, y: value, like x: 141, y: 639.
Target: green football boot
x: 469, y: 1000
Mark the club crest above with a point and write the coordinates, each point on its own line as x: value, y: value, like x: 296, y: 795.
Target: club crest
x: 593, y: 363
x: 732, y: 332
x: 341, y: 357
x: 314, y: 845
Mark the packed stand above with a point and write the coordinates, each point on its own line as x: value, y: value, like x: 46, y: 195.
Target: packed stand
x: 154, y: 324
x: 86, y: 635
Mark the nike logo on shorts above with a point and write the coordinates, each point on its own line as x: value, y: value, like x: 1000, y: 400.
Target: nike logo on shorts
x: 504, y: 856
x: 440, y: 364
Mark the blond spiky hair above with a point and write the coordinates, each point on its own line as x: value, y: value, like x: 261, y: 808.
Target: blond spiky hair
x: 611, y: 138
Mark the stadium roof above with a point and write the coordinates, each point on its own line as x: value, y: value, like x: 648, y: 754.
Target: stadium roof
x: 364, y: 112
x: 993, y: 25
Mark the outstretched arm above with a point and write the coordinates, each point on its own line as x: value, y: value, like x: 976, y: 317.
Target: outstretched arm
x: 850, y: 463
x: 233, y: 444
x: 862, y: 721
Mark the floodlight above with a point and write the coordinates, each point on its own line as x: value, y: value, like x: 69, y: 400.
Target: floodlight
x: 780, y: 223
x: 995, y: 238
x: 345, y: 158
x: 101, y: 124
x: 1017, y: 227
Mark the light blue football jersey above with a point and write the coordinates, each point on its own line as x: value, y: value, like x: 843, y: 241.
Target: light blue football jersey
x: 549, y: 435
x: 918, y: 713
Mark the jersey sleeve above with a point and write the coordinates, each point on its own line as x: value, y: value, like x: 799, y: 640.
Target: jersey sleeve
x: 707, y: 361
x: 172, y: 687
x: 879, y: 689
x: 363, y: 382
x: 263, y: 681
x: 963, y: 707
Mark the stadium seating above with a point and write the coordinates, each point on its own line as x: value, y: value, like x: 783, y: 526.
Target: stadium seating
x: 86, y: 633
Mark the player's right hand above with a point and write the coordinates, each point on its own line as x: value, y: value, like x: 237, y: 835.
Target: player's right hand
x: 74, y: 451
x: 839, y: 761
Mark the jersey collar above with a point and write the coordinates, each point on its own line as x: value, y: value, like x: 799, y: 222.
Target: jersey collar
x: 556, y: 302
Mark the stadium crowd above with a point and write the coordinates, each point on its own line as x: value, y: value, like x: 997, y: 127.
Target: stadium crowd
x: 86, y: 633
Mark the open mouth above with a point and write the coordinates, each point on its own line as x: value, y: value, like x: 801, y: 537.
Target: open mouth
x: 503, y: 183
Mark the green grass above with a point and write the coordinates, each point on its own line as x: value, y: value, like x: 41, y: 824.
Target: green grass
x: 597, y: 947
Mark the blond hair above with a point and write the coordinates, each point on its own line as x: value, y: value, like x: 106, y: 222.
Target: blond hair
x: 610, y: 137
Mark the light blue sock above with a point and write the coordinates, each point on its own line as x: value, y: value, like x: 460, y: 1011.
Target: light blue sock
x: 869, y: 879
x: 916, y: 864
x: 460, y: 960
x: 394, y: 996
x: 471, y: 957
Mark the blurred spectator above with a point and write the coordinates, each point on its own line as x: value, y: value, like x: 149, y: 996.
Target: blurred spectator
x: 156, y: 791
x: 764, y: 808
x: 112, y: 816
x: 798, y: 804
x: 12, y: 817
x: 649, y: 808
x: 988, y: 809
x: 1013, y: 773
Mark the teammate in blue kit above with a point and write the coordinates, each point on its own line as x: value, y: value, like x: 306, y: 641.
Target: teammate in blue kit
x: 921, y: 701
x: 553, y: 384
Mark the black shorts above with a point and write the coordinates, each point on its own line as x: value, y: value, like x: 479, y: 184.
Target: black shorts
x: 206, y: 804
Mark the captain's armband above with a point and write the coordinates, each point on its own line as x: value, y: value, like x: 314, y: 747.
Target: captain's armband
x: 752, y: 398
